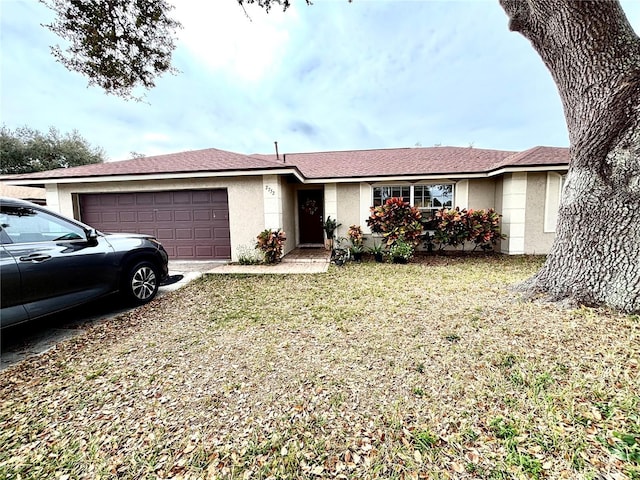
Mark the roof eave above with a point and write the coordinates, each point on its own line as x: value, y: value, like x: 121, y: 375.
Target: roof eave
x: 528, y: 168
x: 441, y: 175
x: 291, y: 170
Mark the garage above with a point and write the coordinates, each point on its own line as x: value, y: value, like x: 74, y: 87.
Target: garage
x: 190, y: 224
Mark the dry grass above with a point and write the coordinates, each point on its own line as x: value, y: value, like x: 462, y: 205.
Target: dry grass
x: 428, y: 370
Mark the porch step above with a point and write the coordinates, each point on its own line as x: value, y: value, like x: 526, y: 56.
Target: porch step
x: 307, y: 255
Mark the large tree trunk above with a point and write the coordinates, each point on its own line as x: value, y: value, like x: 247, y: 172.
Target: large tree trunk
x: 594, y: 57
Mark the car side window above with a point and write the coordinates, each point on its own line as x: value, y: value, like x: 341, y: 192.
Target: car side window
x: 28, y: 225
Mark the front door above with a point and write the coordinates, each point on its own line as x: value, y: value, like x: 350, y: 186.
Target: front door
x: 310, y: 216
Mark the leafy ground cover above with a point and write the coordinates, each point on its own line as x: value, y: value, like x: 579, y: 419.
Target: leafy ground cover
x: 429, y: 370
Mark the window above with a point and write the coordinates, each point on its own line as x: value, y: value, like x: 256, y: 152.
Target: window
x: 27, y: 225
x: 382, y: 194
x: 426, y: 197
x: 433, y: 197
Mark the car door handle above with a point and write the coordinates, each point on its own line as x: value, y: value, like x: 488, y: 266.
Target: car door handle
x: 35, y: 258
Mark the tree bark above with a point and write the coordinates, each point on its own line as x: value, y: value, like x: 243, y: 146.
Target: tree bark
x: 593, y: 55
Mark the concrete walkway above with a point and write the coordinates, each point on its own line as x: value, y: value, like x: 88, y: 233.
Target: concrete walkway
x: 298, y: 261
x: 288, y: 268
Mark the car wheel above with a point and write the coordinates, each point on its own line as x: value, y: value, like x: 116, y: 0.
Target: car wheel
x: 141, y: 283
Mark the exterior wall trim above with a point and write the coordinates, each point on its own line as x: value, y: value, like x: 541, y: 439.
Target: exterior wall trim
x: 514, y: 213
x: 161, y: 176
x: 451, y: 177
x: 397, y: 178
x: 540, y: 168
x: 553, y: 194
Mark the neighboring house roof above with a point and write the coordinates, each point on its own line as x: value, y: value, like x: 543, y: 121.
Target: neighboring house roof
x: 33, y: 194
x: 394, y: 162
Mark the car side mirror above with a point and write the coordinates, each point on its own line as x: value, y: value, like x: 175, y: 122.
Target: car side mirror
x: 92, y: 236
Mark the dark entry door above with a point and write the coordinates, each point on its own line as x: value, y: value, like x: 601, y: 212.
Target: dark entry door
x: 310, y: 216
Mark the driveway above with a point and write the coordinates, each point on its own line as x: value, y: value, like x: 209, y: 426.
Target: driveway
x: 34, y: 338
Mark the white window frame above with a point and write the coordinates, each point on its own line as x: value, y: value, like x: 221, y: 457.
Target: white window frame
x: 412, y: 195
x: 392, y: 186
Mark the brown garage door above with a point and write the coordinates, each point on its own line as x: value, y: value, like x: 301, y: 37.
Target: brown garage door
x: 191, y: 224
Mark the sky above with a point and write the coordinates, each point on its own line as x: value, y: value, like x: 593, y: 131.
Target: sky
x: 331, y: 76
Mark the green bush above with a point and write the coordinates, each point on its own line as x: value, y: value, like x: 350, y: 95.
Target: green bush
x: 330, y: 226
x: 248, y: 256
x: 401, y: 250
x: 271, y: 243
x: 395, y: 219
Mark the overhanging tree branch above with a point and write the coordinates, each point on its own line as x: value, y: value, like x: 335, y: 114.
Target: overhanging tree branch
x: 118, y: 45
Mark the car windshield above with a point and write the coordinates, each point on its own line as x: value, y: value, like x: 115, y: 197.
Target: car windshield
x: 28, y: 225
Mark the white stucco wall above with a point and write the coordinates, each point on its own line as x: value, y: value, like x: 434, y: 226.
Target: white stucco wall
x: 330, y: 201
x: 364, y: 205
x: 529, y: 207
x: 289, y: 215
x: 514, y: 203
x: 349, y: 207
x: 552, y: 195
x: 272, y: 197
x: 539, y: 201
x: 461, y: 194
x: 481, y: 194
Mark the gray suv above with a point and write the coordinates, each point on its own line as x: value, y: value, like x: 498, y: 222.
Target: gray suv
x: 50, y: 263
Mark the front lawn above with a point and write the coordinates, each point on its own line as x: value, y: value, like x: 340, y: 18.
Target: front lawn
x: 428, y: 370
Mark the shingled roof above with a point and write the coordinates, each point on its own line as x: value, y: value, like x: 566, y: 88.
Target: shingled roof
x: 417, y: 161
x: 537, y: 156
x: 207, y: 160
x: 392, y: 162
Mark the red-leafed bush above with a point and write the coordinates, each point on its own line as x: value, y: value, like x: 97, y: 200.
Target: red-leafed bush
x: 355, y: 235
x: 454, y: 227
x: 271, y: 243
x: 396, y: 219
x: 484, y: 228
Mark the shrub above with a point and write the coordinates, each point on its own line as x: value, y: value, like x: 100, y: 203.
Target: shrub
x: 484, y: 228
x: 377, y: 249
x: 401, y: 250
x: 248, y: 256
x: 271, y: 243
x: 330, y: 226
x: 396, y: 219
x: 355, y: 236
x: 450, y: 228
x: 455, y: 227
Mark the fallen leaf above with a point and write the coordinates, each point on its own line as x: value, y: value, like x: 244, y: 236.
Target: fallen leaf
x: 190, y: 448
x: 473, y: 457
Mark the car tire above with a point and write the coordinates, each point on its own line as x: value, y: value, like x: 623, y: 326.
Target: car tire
x: 141, y: 283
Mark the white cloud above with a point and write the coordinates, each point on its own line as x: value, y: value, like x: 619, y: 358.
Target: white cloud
x: 223, y: 38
